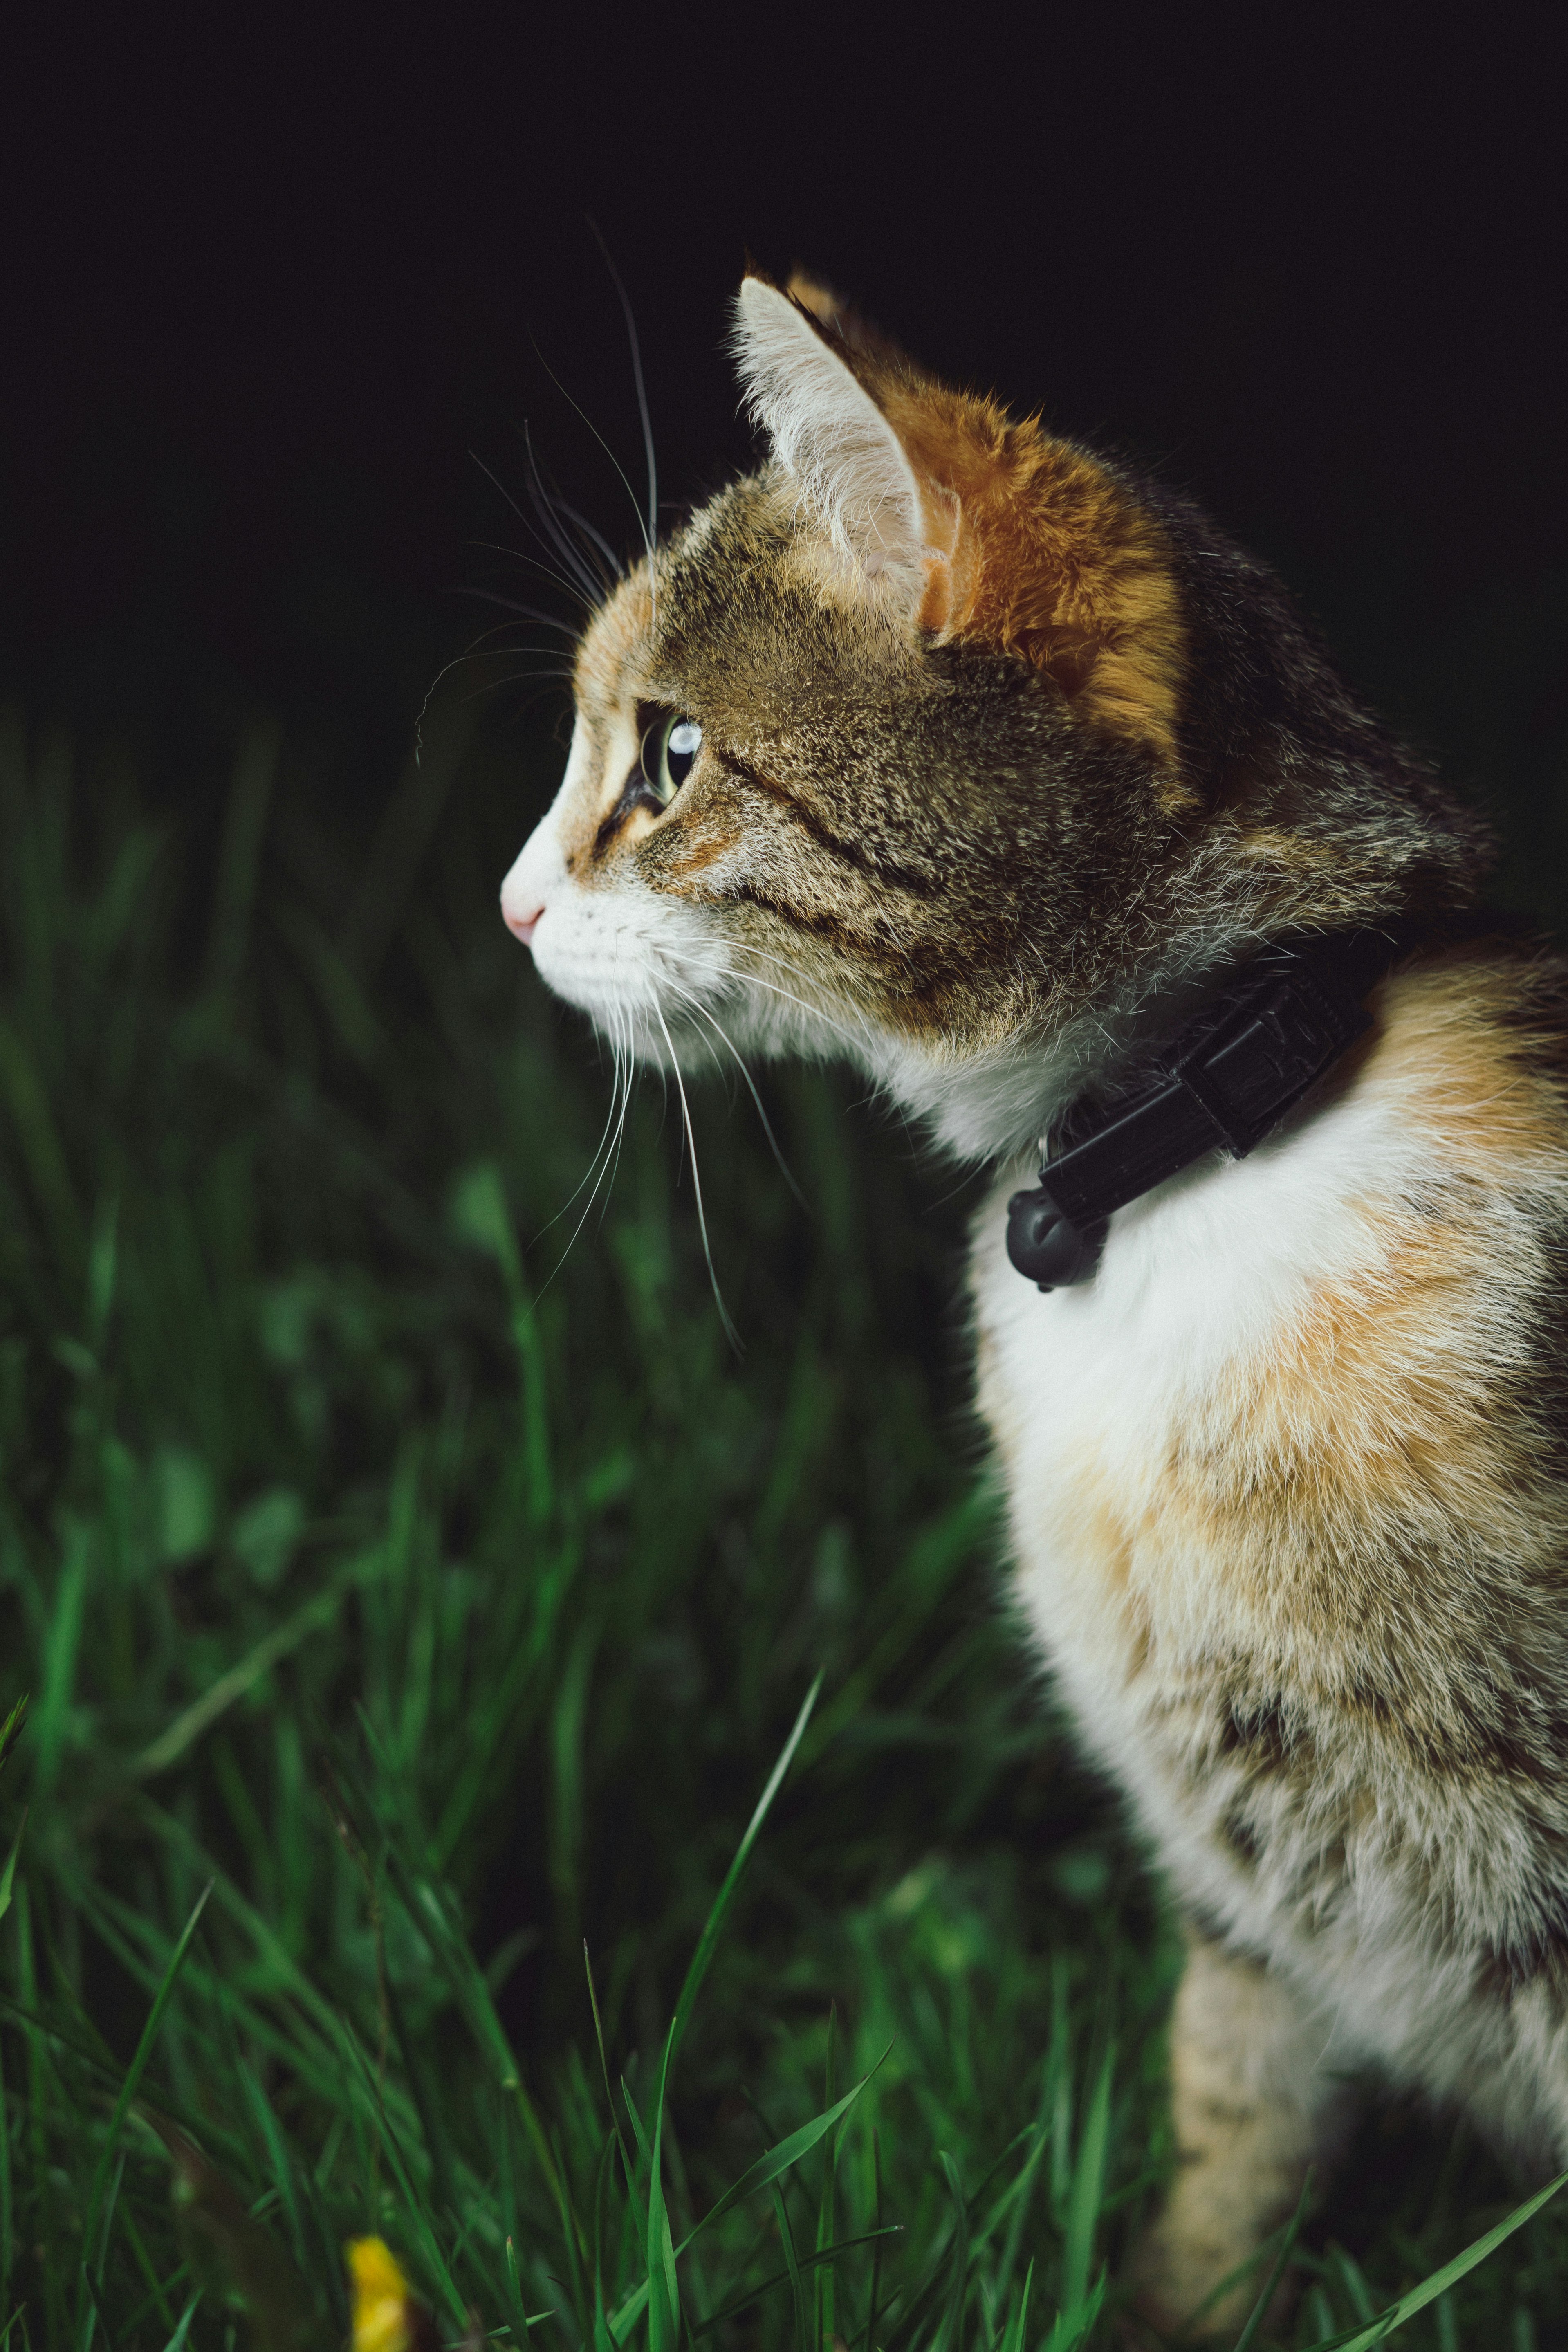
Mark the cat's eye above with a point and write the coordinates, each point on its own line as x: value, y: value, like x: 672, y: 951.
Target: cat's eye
x: 668, y: 754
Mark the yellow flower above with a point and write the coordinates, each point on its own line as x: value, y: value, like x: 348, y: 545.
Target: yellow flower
x: 388, y: 2316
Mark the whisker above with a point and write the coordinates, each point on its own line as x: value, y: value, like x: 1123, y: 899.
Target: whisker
x: 630, y: 1064
x: 755, y: 980
x: 576, y: 558
x: 516, y: 555
x: 498, y: 653
x: 697, y: 1005
x: 731, y: 1332
x: 528, y: 611
x: 555, y: 380
x: 473, y: 652
x: 580, y: 583
x: 596, y: 552
x: 652, y: 531
x: 563, y: 506
x: 784, y: 963
x: 598, y: 1149
x: 622, y: 1081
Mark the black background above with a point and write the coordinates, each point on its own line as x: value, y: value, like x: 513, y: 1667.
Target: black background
x: 267, y: 285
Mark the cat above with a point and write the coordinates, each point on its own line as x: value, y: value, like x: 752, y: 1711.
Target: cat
x: 947, y: 745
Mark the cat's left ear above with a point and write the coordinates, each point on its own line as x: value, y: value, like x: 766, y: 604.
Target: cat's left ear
x: 827, y: 431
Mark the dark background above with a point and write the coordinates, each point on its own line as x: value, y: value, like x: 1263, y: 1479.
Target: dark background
x: 269, y: 285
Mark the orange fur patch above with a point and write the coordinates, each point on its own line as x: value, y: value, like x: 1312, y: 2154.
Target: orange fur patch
x: 1385, y: 1418
x: 1031, y: 546
x: 1053, y: 560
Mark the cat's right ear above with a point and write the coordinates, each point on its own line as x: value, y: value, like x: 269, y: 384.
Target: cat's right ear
x: 830, y: 436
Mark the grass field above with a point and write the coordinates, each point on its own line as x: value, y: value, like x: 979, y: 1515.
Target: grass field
x: 409, y: 1594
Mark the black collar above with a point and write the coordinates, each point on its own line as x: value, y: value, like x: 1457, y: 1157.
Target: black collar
x: 1224, y: 1083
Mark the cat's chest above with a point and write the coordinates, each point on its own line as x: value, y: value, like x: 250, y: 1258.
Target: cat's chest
x: 1125, y: 1409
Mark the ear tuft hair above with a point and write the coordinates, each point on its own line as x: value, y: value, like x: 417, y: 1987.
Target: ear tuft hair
x: 843, y: 321
x: 826, y: 430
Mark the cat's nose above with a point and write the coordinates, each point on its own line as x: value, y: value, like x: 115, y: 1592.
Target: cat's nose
x: 536, y: 876
x: 521, y: 903
x: 520, y: 918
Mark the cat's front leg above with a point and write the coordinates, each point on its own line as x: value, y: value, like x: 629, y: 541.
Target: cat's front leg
x: 1253, y: 2105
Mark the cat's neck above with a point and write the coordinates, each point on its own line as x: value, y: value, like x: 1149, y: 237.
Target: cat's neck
x: 993, y: 1105
x: 996, y: 1106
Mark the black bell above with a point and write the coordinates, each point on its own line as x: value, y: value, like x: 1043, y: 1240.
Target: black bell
x: 1045, y: 1246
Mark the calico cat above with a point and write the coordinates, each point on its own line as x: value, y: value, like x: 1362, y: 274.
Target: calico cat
x: 944, y: 744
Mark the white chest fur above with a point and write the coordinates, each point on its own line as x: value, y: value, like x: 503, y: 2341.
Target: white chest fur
x: 1092, y: 1394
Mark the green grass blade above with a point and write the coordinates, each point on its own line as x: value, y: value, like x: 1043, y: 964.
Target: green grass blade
x: 713, y: 1927
x: 875, y: 2283
x: 1363, y: 2302
x: 1088, y: 2188
x: 138, y: 2065
x: 825, y: 2213
x: 604, y: 2074
x: 949, y: 2335
x: 823, y: 2256
x: 8, y: 1876
x: 793, y: 2273
x: 1075, y: 2323
x: 664, y: 2301
x: 8, y: 2194
x: 203, y: 1713
x: 604, y: 2341
x: 176, y: 2342
x: 427, y: 1909
x: 1013, y: 2334
x: 11, y: 1729
x: 1021, y: 2190
x: 97, y: 2315
x: 1442, y: 2280
x: 1292, y: 2231
x: 1058, y: 2078
x: 779, y: 2159
x: 62, y: 1644
x: 768, y: 2170
x: 640, y: 2129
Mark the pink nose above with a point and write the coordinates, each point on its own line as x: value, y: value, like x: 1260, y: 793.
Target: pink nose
x: 523, y: 920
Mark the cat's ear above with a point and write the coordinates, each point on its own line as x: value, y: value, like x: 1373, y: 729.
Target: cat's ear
x: 828, y: 433
x: 983, y: 529
x: 842, y: 320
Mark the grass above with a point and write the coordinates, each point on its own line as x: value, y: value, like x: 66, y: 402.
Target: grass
x: 409, y: 1603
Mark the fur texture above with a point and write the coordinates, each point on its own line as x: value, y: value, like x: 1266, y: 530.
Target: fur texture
x: 1005, y: 754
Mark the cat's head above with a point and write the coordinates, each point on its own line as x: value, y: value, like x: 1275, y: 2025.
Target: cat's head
x: 940, y: 742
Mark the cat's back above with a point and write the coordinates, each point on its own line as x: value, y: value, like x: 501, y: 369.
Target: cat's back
x: 1287, y: 1478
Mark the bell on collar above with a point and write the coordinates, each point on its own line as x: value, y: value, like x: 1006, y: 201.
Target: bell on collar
x: 1048, y: 1247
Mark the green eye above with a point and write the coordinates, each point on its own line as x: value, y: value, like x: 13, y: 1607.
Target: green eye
x: 670, y: 753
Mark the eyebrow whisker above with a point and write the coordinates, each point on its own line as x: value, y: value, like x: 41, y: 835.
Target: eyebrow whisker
x: 651, y: 534
x: 577, y: 579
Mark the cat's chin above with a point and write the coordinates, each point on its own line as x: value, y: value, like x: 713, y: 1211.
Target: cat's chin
x: 984, y: 1106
